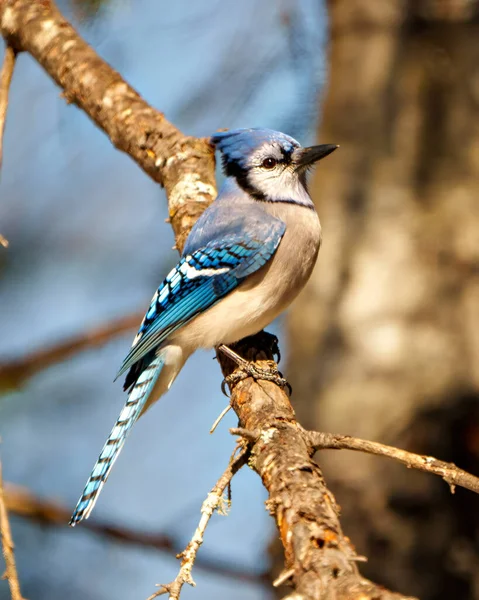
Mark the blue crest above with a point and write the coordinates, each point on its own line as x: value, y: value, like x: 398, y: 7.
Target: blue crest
x: 237, y: 145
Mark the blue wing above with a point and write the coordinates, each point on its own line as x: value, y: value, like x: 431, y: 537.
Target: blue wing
x: 198, y: 281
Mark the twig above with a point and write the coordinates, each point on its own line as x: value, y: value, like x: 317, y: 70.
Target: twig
x: 219, y: 418
x: 15, y: 372
x: 7, y: 546
x: 213, y: 501
x: 323, y: 558
x: 22, y: 502
x: 283, y: 577
x: 451, y: 474
x: 5, y: 80
x: 251, y: 436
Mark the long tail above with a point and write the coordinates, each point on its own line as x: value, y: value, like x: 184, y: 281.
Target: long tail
x: 128, y: 416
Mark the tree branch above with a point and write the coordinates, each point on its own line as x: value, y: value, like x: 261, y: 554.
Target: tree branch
x: 5, y: 81
x: 21, y: 502
x: 321, y: 563
x: 7, y: 546
x: 451, y: 474
x: 214, y: 501
x: 320, y: 560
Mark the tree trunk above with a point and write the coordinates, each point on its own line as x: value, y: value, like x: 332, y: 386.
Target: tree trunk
x: 385, y: 339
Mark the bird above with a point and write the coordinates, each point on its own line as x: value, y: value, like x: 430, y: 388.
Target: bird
x: 245, y: 260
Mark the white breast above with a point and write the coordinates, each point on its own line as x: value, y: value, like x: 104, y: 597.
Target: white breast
x: 264, y: 295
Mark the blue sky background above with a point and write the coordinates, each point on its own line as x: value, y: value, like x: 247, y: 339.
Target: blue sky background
x: 88, y: 244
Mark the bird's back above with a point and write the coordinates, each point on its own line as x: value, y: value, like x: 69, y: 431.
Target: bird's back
x: 233, y: 213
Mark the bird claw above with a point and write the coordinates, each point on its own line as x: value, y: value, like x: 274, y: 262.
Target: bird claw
x: 251, y: 370
x: 275, y: 348
x: 224, y: 383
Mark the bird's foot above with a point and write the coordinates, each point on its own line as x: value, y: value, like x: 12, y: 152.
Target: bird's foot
x: 274, y: 346
x: 249, y: 369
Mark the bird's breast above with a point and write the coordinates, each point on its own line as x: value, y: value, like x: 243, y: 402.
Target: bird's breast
x: 296, y: 255
x: 258, y: 300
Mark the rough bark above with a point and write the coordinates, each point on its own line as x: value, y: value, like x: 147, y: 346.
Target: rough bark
x: 385, y: 340
x: 322, y: 560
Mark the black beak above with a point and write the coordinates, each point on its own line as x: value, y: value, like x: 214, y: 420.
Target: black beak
x: 308, y: 156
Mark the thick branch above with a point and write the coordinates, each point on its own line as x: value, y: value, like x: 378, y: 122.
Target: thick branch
x: 183, y: 165
x: 448, y: 471
x: 21, y: 502
x: 320, y: 558
x: 7, y: 546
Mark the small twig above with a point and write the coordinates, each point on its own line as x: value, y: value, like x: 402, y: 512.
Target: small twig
x: 7, y: 546
x: 283, y: 577
x: 5, y: 81
x: 218, y: 419
x: 213, y: 501
x: 20, y: 501
x: 251, y: 436
x: 15, y: 372
x: 451, y: 474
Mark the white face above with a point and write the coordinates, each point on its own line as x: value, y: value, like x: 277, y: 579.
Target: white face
x: 272, y: 173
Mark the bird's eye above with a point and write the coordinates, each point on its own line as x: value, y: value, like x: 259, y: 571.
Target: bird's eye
x: 269, y: 163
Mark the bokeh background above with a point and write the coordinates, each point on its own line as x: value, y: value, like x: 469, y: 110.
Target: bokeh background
x: 383, y: 343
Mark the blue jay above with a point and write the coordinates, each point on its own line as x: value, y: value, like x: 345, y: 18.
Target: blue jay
x: 246, y: 258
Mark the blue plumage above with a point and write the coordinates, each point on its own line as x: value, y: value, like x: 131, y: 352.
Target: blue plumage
x: 198, y: 281
x: 219, y: 292
x: 239, y: 144
x: 128, y: 416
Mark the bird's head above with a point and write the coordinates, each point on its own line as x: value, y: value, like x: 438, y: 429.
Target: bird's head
x: 269, y: 165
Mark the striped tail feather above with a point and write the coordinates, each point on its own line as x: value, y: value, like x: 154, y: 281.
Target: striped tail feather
x: 128, y: 416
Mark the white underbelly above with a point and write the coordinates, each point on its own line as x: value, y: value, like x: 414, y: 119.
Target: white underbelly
x: 262, y: 296
x: 245, y: 311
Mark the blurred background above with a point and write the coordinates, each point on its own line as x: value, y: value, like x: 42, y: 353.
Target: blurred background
x: 383, y: 343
